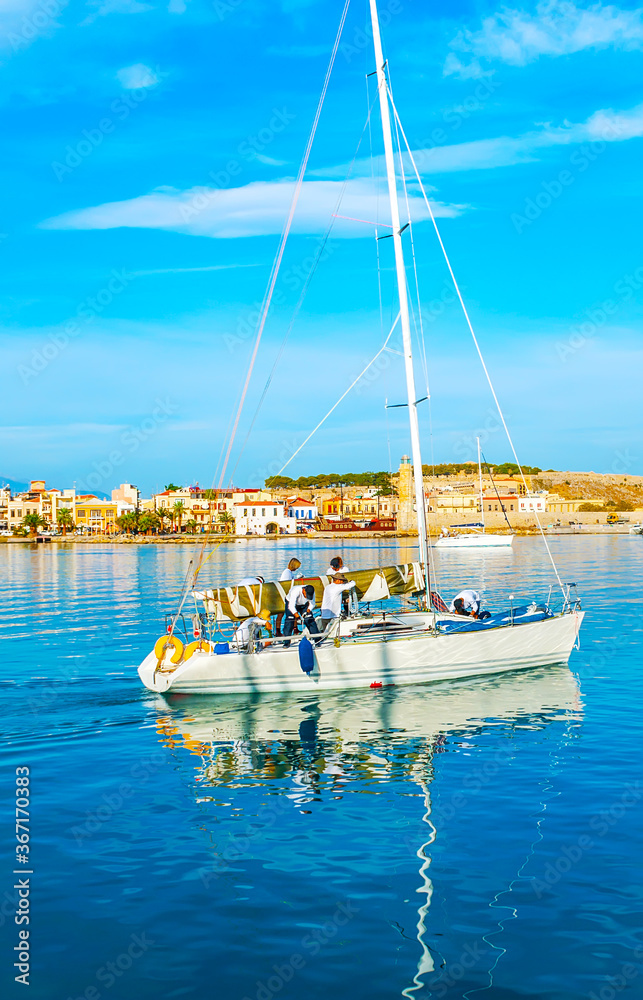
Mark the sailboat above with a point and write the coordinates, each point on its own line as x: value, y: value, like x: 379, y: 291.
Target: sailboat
x: 413, y: 639
x: 477, y: 537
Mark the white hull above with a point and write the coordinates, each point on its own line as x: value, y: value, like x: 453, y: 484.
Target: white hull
x: 474, y: 542
x: 414, y: 659
x: 636, y: 529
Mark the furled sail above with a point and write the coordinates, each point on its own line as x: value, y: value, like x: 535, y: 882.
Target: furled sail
x: 370, y: 585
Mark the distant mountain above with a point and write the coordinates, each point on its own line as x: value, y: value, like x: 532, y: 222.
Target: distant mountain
x: 14, y: 486
x: 17, y: 487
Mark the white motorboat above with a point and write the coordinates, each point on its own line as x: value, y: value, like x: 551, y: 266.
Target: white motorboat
x: 636, y: 529
x: 409, y: 643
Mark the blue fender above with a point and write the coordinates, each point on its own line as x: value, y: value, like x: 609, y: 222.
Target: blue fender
x: 306, y: 655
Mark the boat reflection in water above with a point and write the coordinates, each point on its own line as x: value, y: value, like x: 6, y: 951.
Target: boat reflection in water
x: 310, y: 755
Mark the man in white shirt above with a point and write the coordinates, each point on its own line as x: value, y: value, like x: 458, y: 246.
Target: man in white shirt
x: 250, y: 629
x: 332, y: 600
x: 300, y: 603
x: 467, y: 602
x: 251, y: 581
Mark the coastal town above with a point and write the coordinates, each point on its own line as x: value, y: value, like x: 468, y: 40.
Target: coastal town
x: 501, y: 496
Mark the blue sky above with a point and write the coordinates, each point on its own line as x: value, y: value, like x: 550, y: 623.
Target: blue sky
x: 149, y: 157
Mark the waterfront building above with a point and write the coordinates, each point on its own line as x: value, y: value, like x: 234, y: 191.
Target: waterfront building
x: 507, y: 503
x: 268, y: 518
x: 126, y: 494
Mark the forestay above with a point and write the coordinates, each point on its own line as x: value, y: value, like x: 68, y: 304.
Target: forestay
x: 370, y: 585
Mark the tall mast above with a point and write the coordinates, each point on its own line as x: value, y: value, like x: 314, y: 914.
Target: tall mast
x: 402, y: 291
x: 480, y: 475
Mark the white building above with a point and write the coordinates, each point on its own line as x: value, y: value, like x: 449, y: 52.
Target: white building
x: 267, y: 518
x: 302, y: 510
x: 533, y: 502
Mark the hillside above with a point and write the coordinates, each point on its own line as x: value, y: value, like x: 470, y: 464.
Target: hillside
x: 616, y: 488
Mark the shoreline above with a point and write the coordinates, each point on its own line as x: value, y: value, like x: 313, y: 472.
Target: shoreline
x: 583, y: 529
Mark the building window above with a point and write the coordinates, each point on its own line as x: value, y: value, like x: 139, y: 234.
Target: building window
x: 254, y: 511
x: 263, y: 511
x: 245, y: 511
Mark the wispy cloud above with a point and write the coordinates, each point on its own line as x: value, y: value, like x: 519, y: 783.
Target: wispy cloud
x: 104, y: 7
x: 137, y: 77
x: 557, y: 28
x: 192, y: 270
x: 485, y: 154
x: 257, y: 209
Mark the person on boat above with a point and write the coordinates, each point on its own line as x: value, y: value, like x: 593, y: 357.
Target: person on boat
x: 300, y: 604
x: 337, y: 566
x: 445, y: 532
x: 249, y: 630
x: 291, y: 571
x: 251, y: 581
x: 467, y: 602
x: 332, y: 600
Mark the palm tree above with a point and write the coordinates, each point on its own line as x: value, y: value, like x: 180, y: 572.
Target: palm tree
x: 64, y: 519
x: 178, y: 510
x: 226, y: 519
x: 191, y: 525
x: 128, y: 522
x: 148, y: 522
x: 163, y: 514
x: 33, y: 522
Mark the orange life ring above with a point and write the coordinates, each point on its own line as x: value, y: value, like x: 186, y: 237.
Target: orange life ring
x: 165, y: 642
x: 200, y: 645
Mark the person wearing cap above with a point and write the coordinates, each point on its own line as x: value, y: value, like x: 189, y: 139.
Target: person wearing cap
x: 250, y: 629
x: 300, y: 603
x: 332, y: 599
x: 251, y: 581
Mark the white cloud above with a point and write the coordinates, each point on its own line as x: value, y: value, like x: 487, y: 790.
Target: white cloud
x: 557, y: 28
x: 485, y: 154
x: 136, y: 77
x: 257, y: 209
x: 105, y: 7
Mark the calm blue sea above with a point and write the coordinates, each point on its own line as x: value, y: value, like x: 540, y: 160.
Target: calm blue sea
x: 478, y: 839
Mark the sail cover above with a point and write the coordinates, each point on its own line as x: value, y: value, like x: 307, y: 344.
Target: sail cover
x: 370, y: 584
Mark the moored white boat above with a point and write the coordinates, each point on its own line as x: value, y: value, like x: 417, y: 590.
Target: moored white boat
x: 471, y: 540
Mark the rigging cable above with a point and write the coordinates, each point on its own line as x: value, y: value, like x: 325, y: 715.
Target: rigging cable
x: 475, y: 340
x: 343, y: 396
x: 282, y: 244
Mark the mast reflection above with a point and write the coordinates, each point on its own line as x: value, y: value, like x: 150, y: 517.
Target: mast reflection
x: 322, y: 749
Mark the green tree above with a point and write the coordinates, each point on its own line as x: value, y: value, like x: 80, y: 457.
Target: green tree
x: 191, y: 525
x: 163, y: 515
x: 148, y: 522
x: 177, y: 512
x: 226, y: 518
x: 172, y: 487
x: 128, y: 522
x: 33, y: 522
x: 64, y: 519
